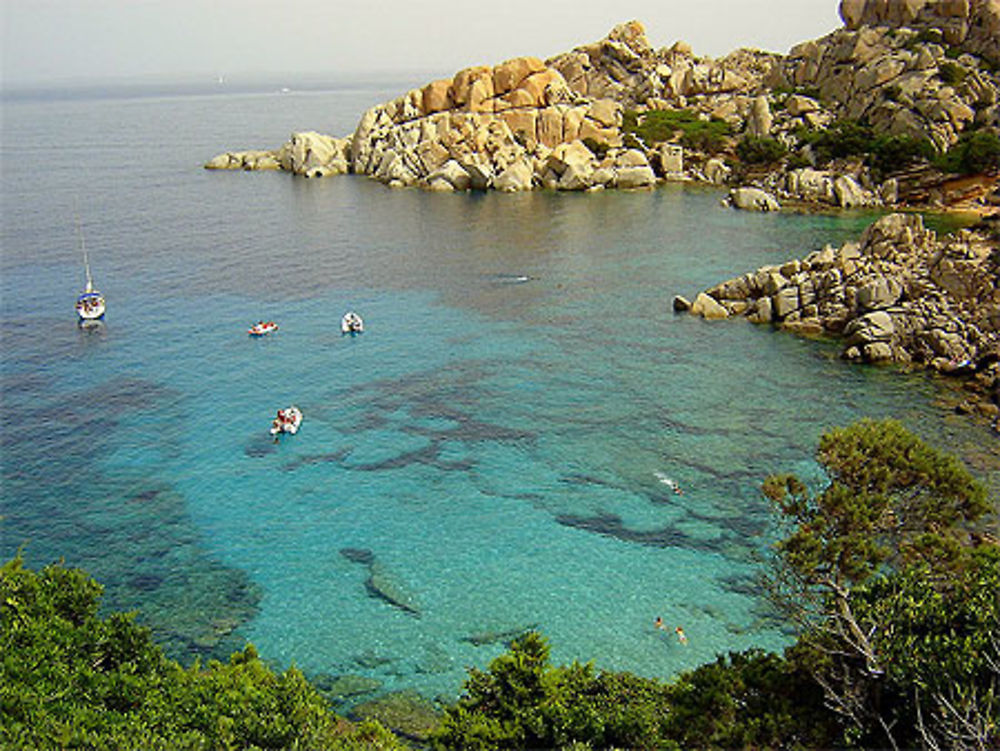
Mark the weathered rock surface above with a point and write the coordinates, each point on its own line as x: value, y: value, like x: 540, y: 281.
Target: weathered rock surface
x: 753, y: 199
x: 915, y: 68
x: 900, y: 294
x: 973, y: 25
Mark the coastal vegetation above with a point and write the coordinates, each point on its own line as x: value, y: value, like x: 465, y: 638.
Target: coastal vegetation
x: 72, y: 679
x: 886, y: 571
x: 692, y: 131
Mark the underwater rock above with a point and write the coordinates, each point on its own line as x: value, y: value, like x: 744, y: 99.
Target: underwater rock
x: 259, y: 446
x: 384, y: 585
x: 370, y: 659
x: 358, y: 555
x: 337, y: 688
x: 434, y: 660
x: 381, y: 582
x: 492, y: 637
x: 406, y: 713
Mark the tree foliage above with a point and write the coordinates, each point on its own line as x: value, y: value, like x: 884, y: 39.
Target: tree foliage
x: 890, y: 543
x: 852, y: 138
x: 745, y: 700
x: 69, y: 679
x: 749, y: 700
x: 522, y: 701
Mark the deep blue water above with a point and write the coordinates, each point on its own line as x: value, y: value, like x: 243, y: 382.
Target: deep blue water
x: 495, y: 446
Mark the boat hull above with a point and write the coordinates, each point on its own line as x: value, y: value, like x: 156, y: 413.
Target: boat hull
x: 288, y: 421
x: 351, y: 323
x: 262, y: 329
x: 90, y: 306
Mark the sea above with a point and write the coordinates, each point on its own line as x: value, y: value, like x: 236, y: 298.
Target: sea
x: 525, y: 437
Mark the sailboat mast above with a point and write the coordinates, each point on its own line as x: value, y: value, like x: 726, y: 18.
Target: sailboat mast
x: 86, y: 261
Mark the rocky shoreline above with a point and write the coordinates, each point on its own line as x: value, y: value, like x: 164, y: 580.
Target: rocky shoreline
x: 899, y: 295
x: 619, y: 114
x: 899, y: 109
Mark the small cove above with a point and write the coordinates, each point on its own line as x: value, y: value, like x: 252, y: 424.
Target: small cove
x: 497, y: 440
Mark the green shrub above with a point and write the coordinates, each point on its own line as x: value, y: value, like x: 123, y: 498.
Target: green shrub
x: 71, y: 679
x: 843, y: 138
x: 524, y: 702
x: 750, y: 699
x: 926, y: 36
x: 891, y: 153
x: 630, y: 141
x: 797, y: 161
x: 710, y: 137
x: 760, y: 150
x: 658, y: 126
x: 975, y: 153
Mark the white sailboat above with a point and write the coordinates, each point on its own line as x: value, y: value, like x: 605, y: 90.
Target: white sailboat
x: 90, y: 303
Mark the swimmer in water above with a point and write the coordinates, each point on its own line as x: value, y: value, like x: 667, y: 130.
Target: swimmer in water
x: 659, y: 624
x: 681, y: 636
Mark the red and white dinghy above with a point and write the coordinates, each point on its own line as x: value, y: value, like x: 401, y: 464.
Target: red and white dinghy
x: 287, y: 421
x: 262, y: 328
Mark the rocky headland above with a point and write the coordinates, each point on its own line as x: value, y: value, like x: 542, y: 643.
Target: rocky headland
x: 864, y: 116
x: 900, y: 294
x: 899, y: 108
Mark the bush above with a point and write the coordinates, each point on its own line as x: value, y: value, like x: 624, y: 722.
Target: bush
x: 760, y: 150
x: 524, y: 702
x: 844, y: 138
x: 658, y: 126
x: 749, y: 699
x: 975, y: 153
x: 926, y: 36
x: 71, y: 679
x: 891, y: 153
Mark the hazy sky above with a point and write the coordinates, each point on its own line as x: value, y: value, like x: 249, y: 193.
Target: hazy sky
x: 45, y: 41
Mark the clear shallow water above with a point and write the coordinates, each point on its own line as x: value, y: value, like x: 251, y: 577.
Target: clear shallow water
x: 497, y: 441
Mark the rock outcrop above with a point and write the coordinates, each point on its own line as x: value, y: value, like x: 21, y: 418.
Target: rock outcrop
x: 970, y: 25
x: 916, y: 69
x: 900, y: 294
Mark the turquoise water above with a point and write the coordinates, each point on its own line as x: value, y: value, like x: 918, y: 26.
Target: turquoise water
x: 494, y: 449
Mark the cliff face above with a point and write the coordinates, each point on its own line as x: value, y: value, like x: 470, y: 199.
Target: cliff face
x: 922, y: 69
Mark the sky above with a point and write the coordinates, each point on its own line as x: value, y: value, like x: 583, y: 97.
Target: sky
x: 62, y: 41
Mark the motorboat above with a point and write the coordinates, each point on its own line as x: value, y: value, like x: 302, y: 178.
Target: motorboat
x: 90, y: 304
x: 262, y: 328
x: 351, y: 323
x: 287, y: 421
